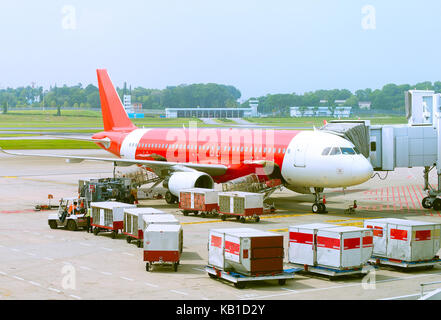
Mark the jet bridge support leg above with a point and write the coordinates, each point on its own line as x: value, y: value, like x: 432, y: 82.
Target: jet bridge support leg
x: 432, y: 200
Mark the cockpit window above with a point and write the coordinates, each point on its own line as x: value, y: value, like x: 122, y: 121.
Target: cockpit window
x: 325, y: 151
x: 347, y: 151
x: 335, y: 151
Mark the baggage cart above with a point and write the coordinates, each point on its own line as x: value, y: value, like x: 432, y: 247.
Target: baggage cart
x: 162, y: 219
x: 108, y: 216
x: 199, y: 201
x: 240, y: 280
x: 162, y: 245
x: 404, y: 242
x: 134, y: 224
x: 241, y: 205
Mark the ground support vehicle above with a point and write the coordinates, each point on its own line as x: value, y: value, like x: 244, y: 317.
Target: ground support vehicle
x: 70, y: 221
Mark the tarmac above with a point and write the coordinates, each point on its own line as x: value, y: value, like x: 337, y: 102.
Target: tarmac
x: 37, y: 262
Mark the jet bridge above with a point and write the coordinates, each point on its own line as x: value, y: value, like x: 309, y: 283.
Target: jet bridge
x: 415, y: 144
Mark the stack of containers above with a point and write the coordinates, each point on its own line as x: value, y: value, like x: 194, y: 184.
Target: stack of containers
x: 108, y: 215
x: 240, y: 203
x: 198, y: 199
x: 330, y: 246
x: 246, y: 251
x: 405, y: 240
x: 134, y: 223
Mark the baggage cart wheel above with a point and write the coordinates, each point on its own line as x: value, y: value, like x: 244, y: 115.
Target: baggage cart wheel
x: 175, y: 266
x: 147, y: 266
x: 95, y: 231
x: 71, y: 225
x: 237, y: 218
x: 242, y: 219
x: 282, y: 282
x: 195, y: 213
x: 53, y: 224
x: 426, y: 203
x: 240, y: 285
x: 203, y: 215
x: 223, y: 217
x: 257, y: 219
x: 169, y: 197
x: 185, y: 212
x: 129, y: 239
x: 139, y: 243
x: 114, y: 233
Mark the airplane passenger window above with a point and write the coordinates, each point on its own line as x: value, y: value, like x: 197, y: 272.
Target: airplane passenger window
x: 279, y: 150
x: 347, y: 151
x: 283, y: 151
x: 325, y: 152
x: 335, y: 151
x: 241, y: 149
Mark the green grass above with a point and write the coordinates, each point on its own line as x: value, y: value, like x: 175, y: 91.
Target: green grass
x: 46, y: 144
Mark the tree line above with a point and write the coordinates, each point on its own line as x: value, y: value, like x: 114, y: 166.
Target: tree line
x: 210, y: 95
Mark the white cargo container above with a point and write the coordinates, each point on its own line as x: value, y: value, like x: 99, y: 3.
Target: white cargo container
x: 162, y: 244
x: 302, y: 247
x: 240, y: 204
x: 246, y: 251
x: 404, y: 240
x: 108, y: 215
x: 164, y: 219
x: 198, y: 200
x: 134, y: 225
x: 344, y: 247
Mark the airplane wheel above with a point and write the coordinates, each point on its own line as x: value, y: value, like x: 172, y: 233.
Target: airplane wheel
x: 436, y: 204
x: 169, y: 197
x: 95, y: 231
x: 427, y: 204
x: 315, y: 208
x: 242, y: 219
x: 72, y: 225
x: 53, y: 224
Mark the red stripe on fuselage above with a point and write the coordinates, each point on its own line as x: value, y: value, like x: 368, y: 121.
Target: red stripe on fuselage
x: 231, y: 147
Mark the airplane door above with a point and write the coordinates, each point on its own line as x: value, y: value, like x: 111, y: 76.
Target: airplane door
x: 300, y: 154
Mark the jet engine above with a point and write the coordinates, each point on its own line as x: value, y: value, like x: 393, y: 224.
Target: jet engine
x: 185, y: 180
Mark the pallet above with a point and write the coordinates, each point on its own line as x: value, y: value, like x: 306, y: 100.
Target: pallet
x: 331, y: 272
x: 240, y: 280
x: 403, y: 264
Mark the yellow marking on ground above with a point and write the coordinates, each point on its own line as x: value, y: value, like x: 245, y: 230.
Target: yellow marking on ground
x: 279, y: 230
x: 352, y: 224
x: 349, y: 219
x: 9, y: 177
x: 261, y: 217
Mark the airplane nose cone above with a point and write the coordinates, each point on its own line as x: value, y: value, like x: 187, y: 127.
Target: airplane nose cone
x: 361, y: 171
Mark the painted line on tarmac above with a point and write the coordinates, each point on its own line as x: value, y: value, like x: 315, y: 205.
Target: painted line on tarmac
x: 75, y: 297
x: 128, y: 279
x: 151, y: 285
x: 345, y: 286
x: 261, y: 217
x: 179, y: 292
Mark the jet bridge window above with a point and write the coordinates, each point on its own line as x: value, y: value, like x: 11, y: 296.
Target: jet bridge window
x: 335, y: 151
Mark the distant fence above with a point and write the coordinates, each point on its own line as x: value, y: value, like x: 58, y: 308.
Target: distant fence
x: 145, y: 111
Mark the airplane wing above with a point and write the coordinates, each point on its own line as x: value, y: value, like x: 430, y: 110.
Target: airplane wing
x: 105, y: 142
x: 159, y: 167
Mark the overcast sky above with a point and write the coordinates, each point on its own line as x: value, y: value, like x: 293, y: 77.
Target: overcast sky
x: 258, y: 46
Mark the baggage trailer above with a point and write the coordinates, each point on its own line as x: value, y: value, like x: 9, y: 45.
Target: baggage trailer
x: 329, y: 249
x: 404, y: 243
x: 108, y: 216
x: 162, y: 219
x: 199, y: 200
x: 241, y: 205
x: 134, y: 224
x: 240, y: 280
x: 162, y: 245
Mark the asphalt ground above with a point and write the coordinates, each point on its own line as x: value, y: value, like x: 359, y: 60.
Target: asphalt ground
x: 37, y: 262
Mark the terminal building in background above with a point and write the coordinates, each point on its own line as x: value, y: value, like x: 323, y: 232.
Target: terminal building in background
x: 220, y: 113
x: 336, y: 112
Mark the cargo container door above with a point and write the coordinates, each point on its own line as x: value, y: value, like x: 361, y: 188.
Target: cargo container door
x: 367, y: 246
x: 351, y: 251
x: 398, y: 243
x: 379, y: 233
x: 328, y: 249
x: 216, y: 250
x: 301, y: 248
x: 422, y: 243
x: 436, y: 238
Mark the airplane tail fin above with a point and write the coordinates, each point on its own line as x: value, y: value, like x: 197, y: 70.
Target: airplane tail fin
x: 114, y: 116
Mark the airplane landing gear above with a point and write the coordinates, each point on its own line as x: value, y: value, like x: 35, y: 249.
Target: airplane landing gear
x: 319, y: 205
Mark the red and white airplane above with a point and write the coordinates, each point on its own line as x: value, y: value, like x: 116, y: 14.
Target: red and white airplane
x: 305, y: 161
